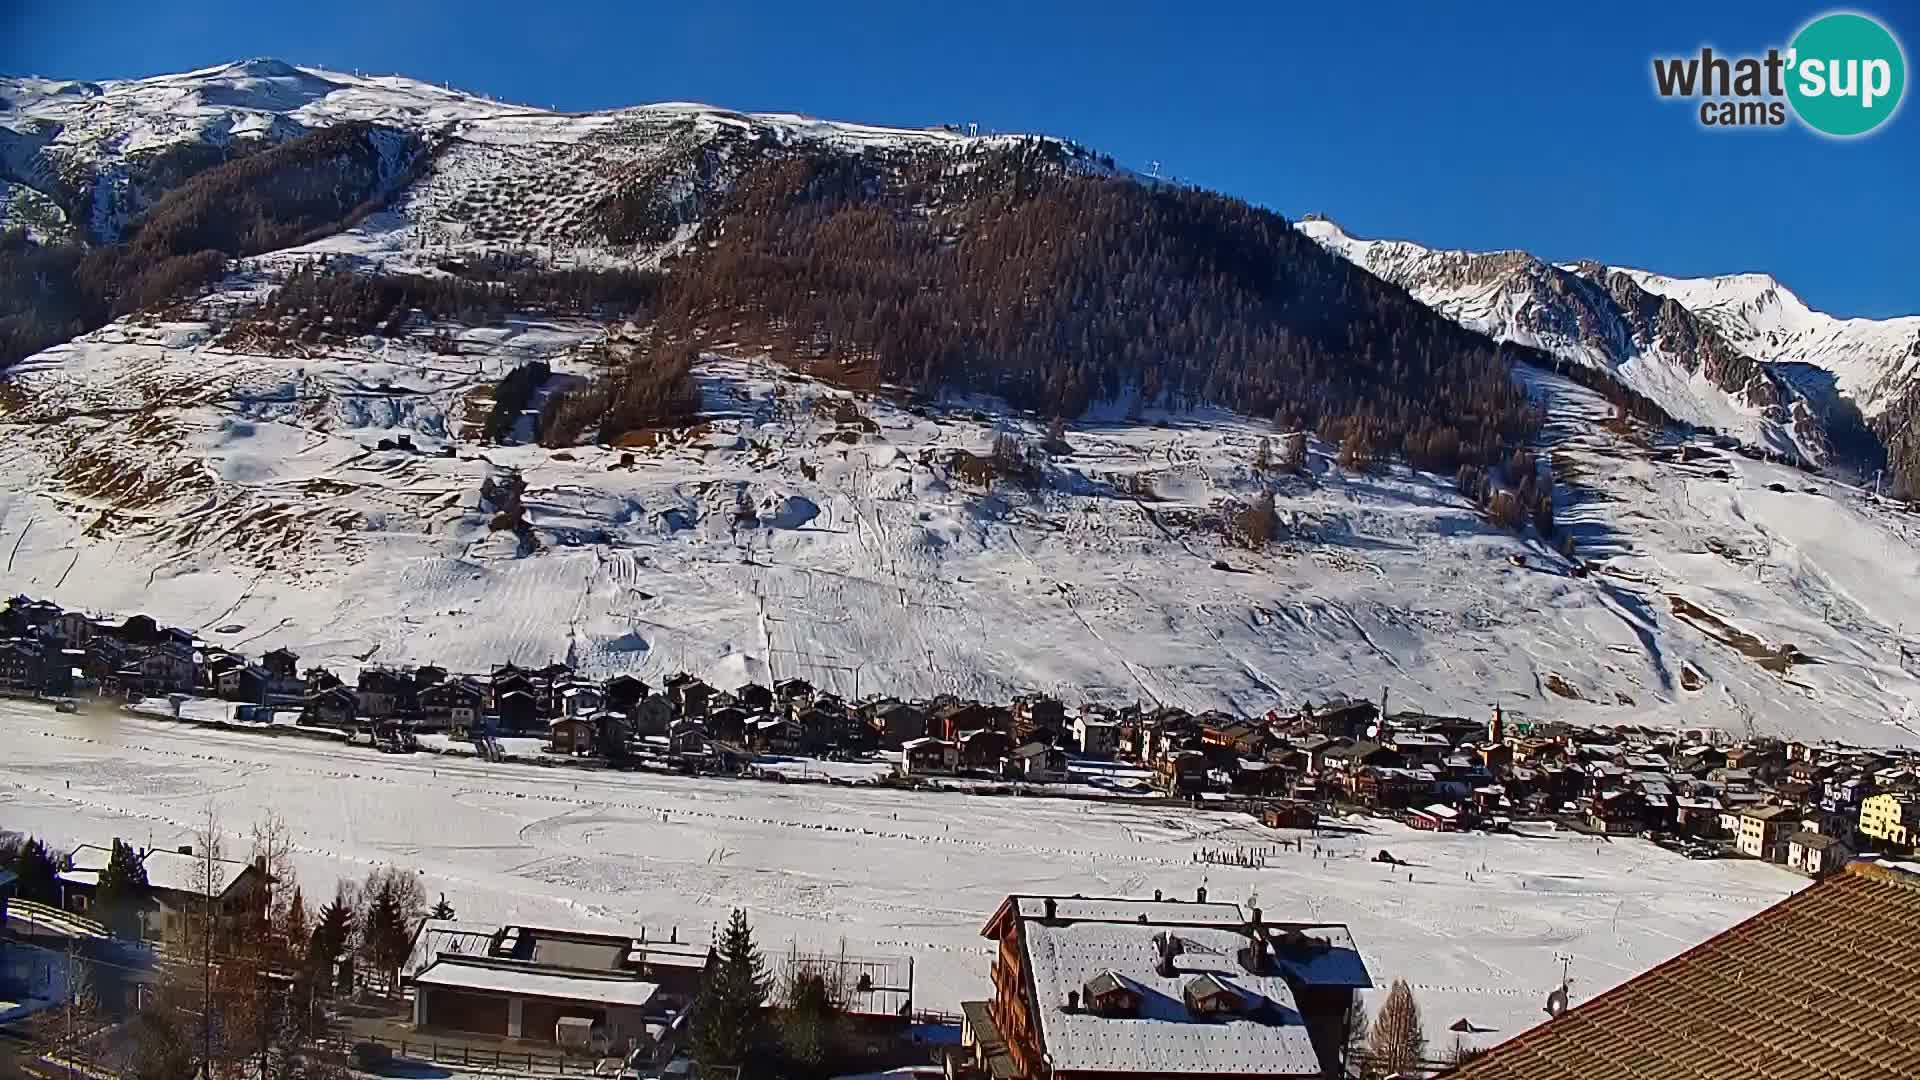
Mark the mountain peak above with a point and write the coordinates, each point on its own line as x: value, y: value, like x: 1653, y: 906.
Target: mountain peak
x: 264, y: 67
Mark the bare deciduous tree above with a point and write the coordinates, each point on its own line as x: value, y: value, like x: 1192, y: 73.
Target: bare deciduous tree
x: 1398, y: 1042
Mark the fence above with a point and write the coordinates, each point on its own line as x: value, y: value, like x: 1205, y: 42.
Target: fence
x: 466, y: 1055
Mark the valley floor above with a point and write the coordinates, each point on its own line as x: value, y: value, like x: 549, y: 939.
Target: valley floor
x: 1477, y: 923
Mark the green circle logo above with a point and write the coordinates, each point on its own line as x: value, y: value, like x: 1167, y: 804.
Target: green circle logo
x: 1847, y: 74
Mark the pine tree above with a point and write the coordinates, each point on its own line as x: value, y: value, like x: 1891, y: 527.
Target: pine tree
x: 1357, y: 1028
x: 293, y: 923
x: 441, y: 910
x: 122, y: 893
x: 1398, y: 1043
x: 807, y: 1024
x: 332, y: 931
x: 730, y: 1024
x: 391, y: 901
x: 34, y: 869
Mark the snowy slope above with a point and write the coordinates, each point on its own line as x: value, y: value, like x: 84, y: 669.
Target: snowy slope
x: 151, y: 467
x: 1601, y: 318
x: 90, y: 144
x: 1872, y: 360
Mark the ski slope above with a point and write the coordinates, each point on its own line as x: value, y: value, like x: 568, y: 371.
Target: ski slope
x: 1477, y: 923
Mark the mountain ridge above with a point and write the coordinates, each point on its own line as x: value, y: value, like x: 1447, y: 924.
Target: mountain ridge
x: 1776, y: 371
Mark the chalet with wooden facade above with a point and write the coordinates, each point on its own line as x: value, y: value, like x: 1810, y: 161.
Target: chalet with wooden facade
x: 1088, y: 988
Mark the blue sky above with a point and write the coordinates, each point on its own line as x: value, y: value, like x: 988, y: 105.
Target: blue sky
x: 1483, y: 125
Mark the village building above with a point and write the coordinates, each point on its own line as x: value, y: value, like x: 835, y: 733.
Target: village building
x: 335, y: 707
x: 1764, y: 831
x: 1088, y: 988
x: 688, y: 695
x: 600, y: 991
x: 1182, y: 774
x: 385, y: 693
x: 570, y: 735
x: 894, y: 723
x: 1342, y: 718
x: 1288, y: 814
x: 455, y: 705
x: 1418, y: 748
x: 1096, y: 733
x: 281, y: 663
x: 928, y: 756
x: 23, y: 665
x: 177, y: 886
x: 518, y: 710
x: 1816, y: 854
x: 1036, y: 716
x: 1819, y: 985
x: 1437, y: 817
x: 1617, y: 813
x: 650, y: 716
x: 1891, y: 820
x: 1036, y: 762
x: 686, y: 737
x: 981, y: 750
x: 624, y: 692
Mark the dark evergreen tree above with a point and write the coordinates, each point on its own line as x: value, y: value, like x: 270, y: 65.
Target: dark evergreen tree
x: 34, y: 869
x: 808, y: 1026
x: 332, y: 932
x: 122, y: 896
x: 730, y: 1024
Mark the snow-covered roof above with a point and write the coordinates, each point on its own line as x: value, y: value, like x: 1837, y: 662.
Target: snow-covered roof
x: 1321, y: 956
x: 1440, y: 810
x: 438, y: 937
x: 507, y: 977
x: 182, y: 873
x: 1124, y: 910
x: 170, y: 870
x: 1266, y: 1036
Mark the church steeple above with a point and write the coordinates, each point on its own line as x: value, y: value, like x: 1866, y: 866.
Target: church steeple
x: 1497, y: 727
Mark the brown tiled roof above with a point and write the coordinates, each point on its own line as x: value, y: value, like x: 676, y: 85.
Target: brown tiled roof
x: 1824, y: 984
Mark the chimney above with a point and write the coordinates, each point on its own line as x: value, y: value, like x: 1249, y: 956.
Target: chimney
x: 1200, y: 895
x: 1256, y: 918
x: 260, y: 864
x: 1169, y: 948
x: 185, y: 849
x: 1051, y: 908
x: 1073, y: 1001
x: 1156, y: 894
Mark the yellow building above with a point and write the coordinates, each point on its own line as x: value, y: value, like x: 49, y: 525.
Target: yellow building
x: 1891, y: 818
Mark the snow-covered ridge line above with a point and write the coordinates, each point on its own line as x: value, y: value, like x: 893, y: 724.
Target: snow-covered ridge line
x: 1739, y: 354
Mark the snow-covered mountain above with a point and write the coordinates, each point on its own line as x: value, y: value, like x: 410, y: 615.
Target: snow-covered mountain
x: 1739, y: 354
x: 85, y: 158
x: 171, y: 462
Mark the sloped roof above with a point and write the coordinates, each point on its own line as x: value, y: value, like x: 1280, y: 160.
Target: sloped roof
x: 1824, y: 985
x: 1267, y: 1038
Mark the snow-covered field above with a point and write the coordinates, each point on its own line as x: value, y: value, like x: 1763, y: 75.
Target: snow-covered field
x: 1478, y: 929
